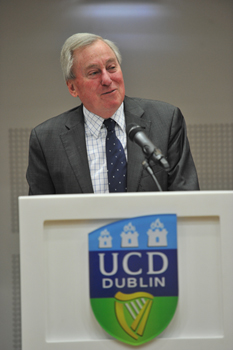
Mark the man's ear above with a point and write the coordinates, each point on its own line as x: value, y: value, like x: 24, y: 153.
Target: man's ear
x: 72, y: 89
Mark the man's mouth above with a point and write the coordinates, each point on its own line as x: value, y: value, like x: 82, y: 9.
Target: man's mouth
x: 109, y: 92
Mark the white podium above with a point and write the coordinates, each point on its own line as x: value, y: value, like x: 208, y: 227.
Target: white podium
x: 56, y: 311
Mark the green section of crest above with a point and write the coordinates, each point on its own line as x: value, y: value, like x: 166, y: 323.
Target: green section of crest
x: 161, y: 313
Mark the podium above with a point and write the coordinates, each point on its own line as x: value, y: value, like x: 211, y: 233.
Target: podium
x: 55, y: 305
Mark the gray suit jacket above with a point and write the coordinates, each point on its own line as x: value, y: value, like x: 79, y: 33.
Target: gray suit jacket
x: 58, y: 156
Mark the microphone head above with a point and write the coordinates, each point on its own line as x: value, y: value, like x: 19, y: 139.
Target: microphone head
x: 132, y: 130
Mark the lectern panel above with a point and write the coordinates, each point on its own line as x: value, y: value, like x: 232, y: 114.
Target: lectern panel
x: 56, y: 310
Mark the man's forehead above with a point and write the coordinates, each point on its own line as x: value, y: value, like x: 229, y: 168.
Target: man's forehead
x: 91, y: 52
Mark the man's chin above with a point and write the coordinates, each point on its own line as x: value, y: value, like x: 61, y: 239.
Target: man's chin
x: 108, y: 109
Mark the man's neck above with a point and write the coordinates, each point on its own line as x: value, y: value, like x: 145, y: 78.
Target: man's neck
x: 106, y: 114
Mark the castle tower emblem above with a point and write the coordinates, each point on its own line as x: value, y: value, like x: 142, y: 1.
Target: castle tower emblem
x: 105, y: 239
x: 157, y: 234
x: 129, y: 237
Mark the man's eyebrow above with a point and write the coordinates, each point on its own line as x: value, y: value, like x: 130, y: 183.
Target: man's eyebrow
x: 91, y: 66
x: 110, y: 60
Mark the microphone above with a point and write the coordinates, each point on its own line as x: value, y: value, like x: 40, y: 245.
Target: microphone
x: 137, y: 135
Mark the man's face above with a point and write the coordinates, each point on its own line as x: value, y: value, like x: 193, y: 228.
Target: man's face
x: 99, y: 81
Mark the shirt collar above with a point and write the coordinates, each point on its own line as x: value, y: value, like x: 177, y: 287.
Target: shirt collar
x: 94, y: 123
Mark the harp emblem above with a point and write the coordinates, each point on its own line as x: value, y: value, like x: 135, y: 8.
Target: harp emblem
x: 138, y: 305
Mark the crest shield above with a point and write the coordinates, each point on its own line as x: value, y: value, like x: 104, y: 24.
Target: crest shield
x: 134, y: 276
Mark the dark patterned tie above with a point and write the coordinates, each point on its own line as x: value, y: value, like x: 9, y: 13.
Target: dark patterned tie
x: 116, y: 161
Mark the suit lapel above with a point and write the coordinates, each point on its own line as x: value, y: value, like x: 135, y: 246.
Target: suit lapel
x: 74, y: 143
x: 133, y: 114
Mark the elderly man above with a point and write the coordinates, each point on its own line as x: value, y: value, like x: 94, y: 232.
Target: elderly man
x: 87, y: 149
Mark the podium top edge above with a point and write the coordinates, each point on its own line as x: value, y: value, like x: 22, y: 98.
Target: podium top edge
x: 126, y: 194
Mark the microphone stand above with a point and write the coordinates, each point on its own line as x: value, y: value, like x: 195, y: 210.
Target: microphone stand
x: 146, y: 166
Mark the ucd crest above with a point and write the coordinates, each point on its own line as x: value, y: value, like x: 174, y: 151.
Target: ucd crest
x: 134, y: 276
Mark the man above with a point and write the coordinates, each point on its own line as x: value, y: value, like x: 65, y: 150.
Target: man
x: 67, y: 153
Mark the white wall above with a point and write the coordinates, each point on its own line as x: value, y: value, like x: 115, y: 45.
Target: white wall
x: 179, y: 51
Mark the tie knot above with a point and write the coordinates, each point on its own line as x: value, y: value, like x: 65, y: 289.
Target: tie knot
x: 109, y: 124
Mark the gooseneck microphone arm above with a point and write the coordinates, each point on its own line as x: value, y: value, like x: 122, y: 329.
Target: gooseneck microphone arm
x: 146, y: 166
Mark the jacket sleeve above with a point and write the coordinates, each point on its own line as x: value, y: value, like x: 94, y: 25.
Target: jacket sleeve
x: 182, y: 175
x: 38, y: 176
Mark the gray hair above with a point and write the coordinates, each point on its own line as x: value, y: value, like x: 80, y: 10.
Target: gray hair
x: 78, y: 41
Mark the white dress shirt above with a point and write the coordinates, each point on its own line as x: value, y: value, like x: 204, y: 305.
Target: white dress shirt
x: 95, y: 133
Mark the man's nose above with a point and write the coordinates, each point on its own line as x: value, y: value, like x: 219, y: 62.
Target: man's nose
x: 106, y: 79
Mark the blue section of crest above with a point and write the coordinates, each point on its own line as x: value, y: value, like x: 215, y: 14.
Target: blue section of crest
x: 132, y: 255
x: 105, y: 283
x: 113, y: 236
